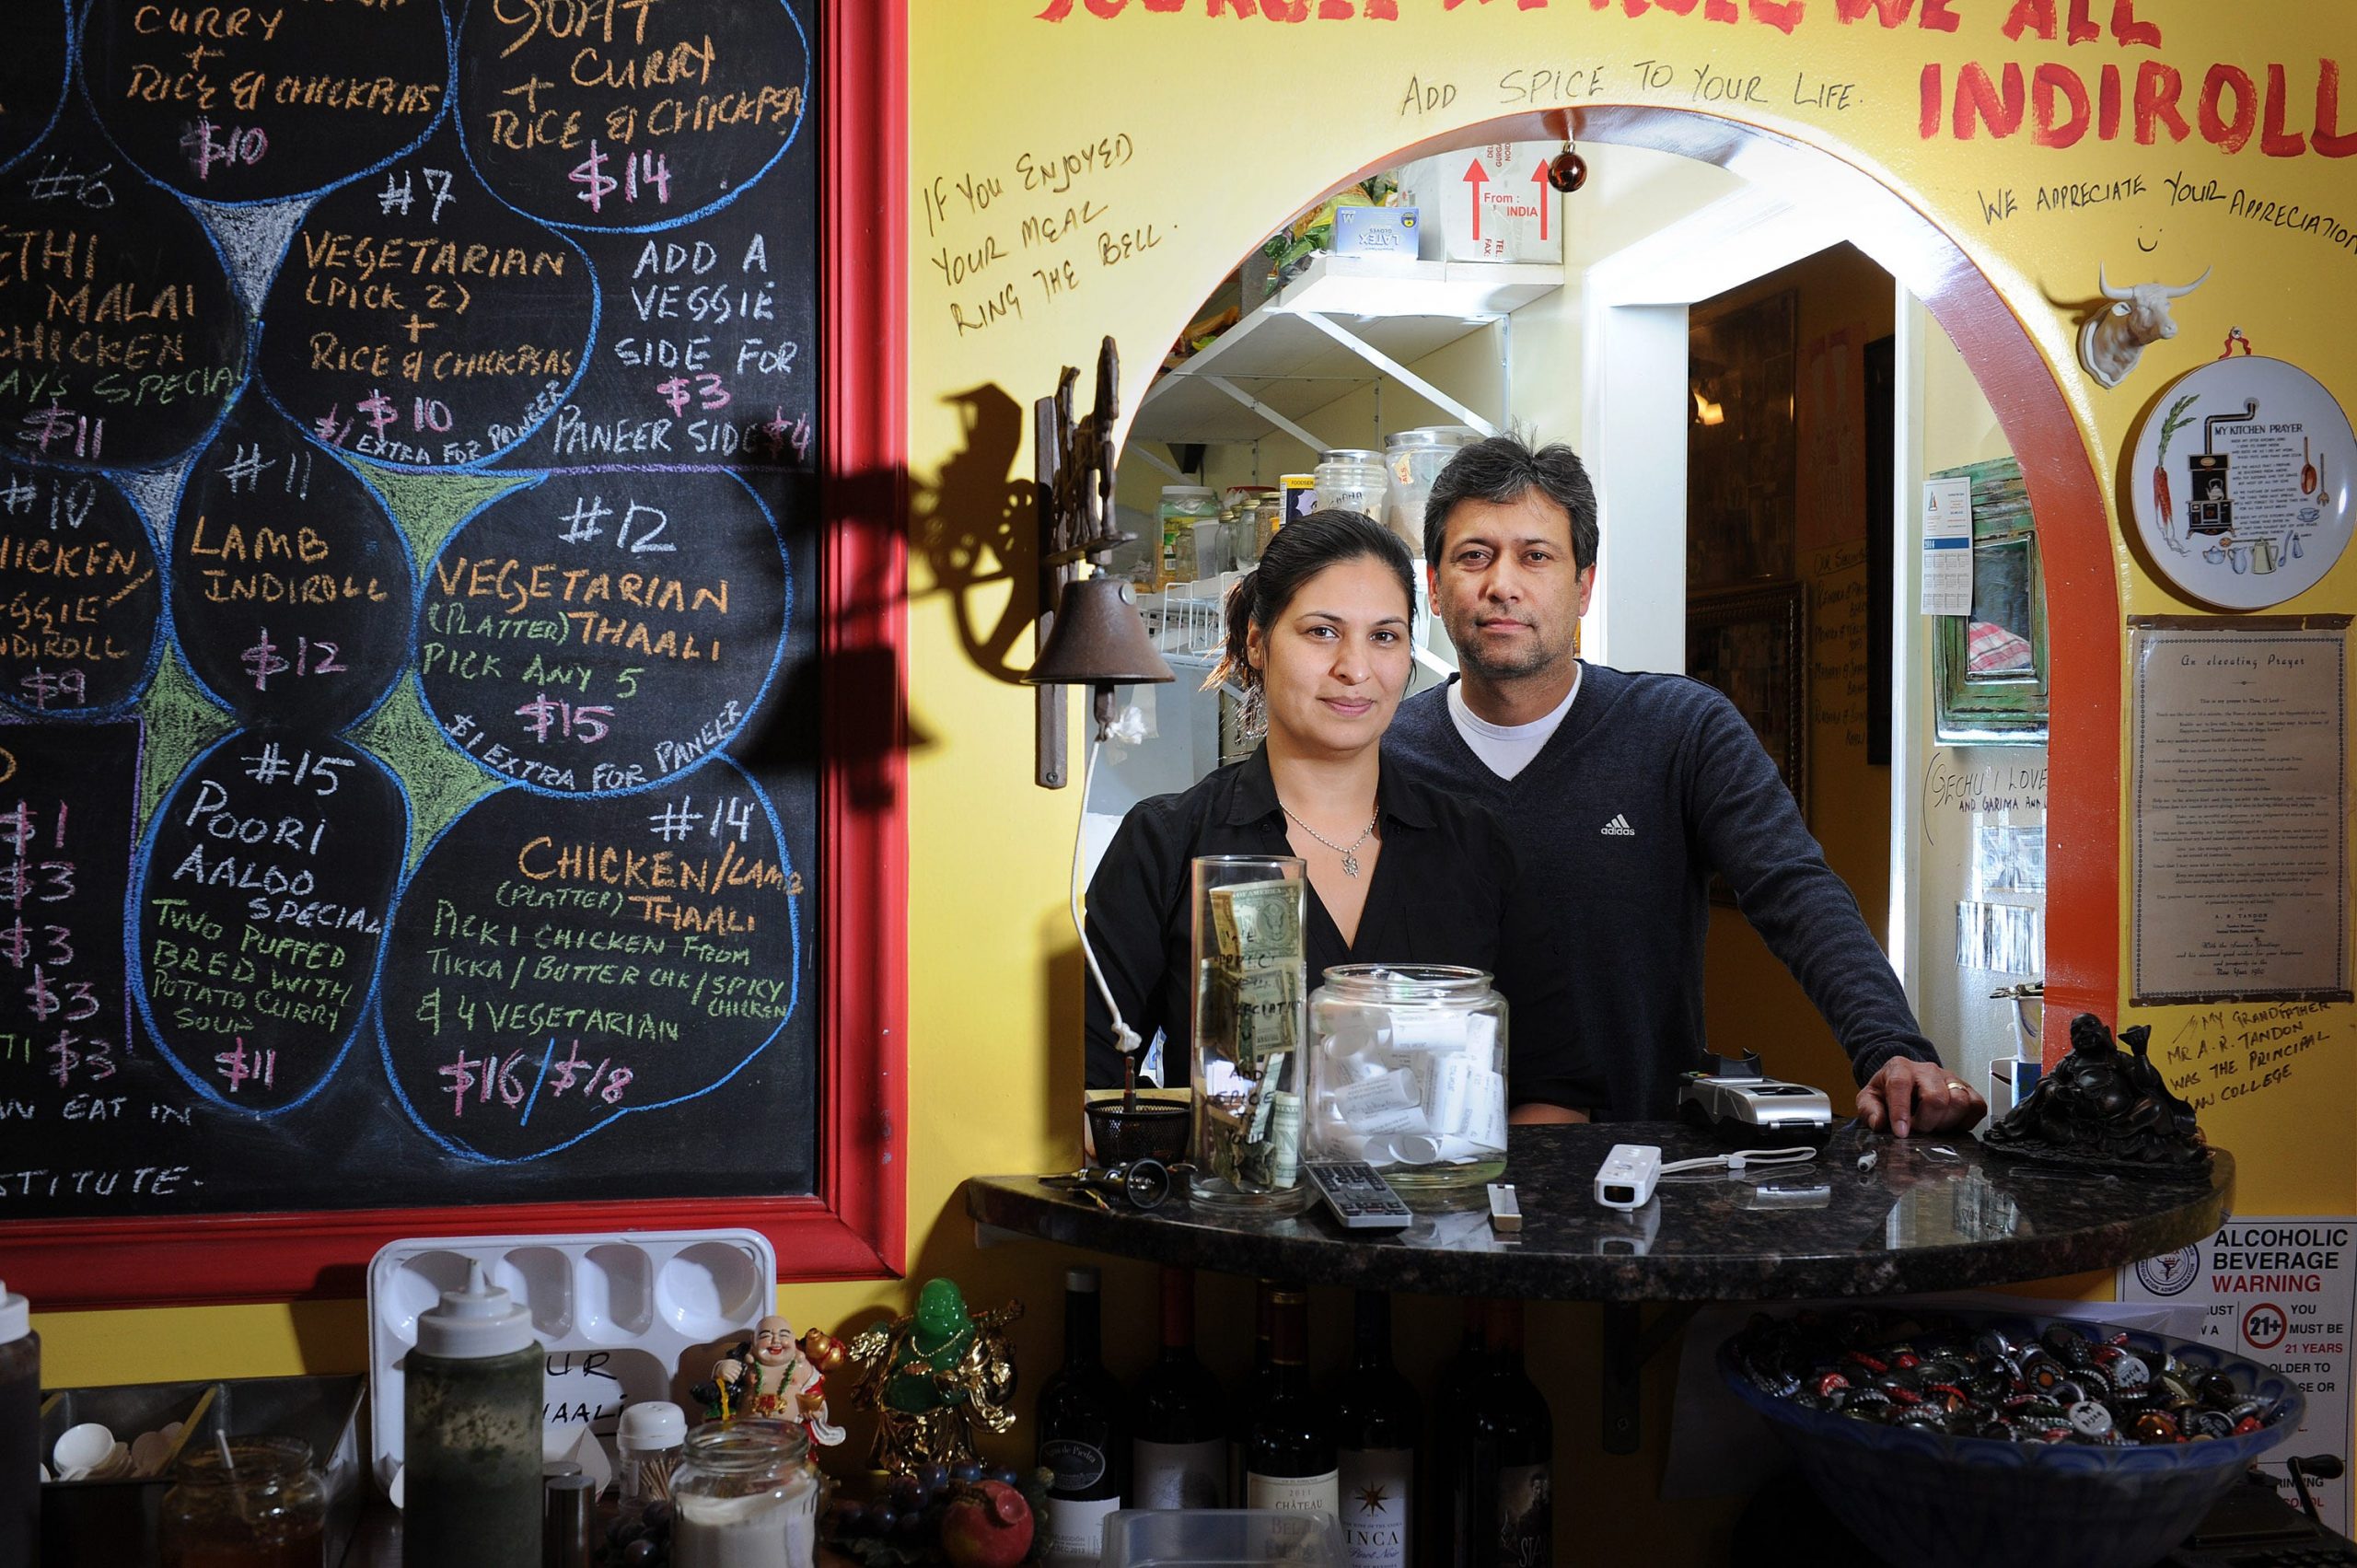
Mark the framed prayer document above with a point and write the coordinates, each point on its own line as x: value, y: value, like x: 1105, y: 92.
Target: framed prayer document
x: 2241, y: 802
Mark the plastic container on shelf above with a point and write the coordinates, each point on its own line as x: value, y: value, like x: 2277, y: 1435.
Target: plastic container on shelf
x: 1222, y: 1537
x: 20, y: 1432
x: 1412, y: 460
x: 618, y: 1316
x: 1351, y: 479
x: 1408, y: 1072
x: 1183, y: 505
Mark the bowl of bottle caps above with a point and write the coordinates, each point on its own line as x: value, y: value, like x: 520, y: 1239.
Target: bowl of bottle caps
x: 1954, y: 1440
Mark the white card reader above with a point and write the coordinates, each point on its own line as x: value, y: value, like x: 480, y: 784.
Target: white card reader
x: 1626, y: 1179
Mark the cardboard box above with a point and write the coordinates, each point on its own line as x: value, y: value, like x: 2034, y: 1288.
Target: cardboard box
x: 1377, y: 231
x: 1492, y: 204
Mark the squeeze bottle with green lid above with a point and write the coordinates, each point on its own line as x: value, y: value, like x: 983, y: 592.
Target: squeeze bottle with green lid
x: 20, y: 1432
x: 470, y: 1432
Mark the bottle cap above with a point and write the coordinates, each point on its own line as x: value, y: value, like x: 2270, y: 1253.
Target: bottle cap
x: 15, y: 1316
x: 1081, y: 1280
x: 481, y: 1321
x: 650, y: 1427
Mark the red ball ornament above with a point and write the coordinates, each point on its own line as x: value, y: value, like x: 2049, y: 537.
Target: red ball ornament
x: 1567, y: 171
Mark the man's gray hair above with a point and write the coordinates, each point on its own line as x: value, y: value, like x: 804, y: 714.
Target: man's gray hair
x: 1502, y: 469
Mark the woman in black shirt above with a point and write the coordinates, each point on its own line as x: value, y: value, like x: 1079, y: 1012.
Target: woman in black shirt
x: 1320, y: 636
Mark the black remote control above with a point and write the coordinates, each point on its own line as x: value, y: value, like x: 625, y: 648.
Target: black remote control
x: 1357, y: 1195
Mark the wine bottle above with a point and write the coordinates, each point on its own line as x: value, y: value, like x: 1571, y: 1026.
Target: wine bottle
x: 1289, y: 1463
x: 1446, y: 1451
x: 1503, y: 1497
x: 1083, y: 1441
x: 1374, y: 1443
x: 1256, y: 1383
x: 1179, y: 1441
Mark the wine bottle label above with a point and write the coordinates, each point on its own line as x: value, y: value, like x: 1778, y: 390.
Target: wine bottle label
x: 1179, y: 1475
x: 1375, y: 1487
x: 1075, y: 1530
x: 1526, y: 1517
x: 1074, y: 1465
x: 1293, y: 1491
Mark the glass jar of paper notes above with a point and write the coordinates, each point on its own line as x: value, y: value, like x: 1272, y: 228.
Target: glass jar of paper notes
x: 1408, y: 1072
x: 1250, y: 1015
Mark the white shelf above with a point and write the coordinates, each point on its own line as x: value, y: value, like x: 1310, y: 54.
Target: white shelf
x: 1402, y: 309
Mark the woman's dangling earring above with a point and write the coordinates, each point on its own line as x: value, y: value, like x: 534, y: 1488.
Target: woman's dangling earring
x: 1252, y: 716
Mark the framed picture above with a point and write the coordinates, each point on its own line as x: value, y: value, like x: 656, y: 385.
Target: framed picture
x: 1989, y: 668
x: 1752, y: 644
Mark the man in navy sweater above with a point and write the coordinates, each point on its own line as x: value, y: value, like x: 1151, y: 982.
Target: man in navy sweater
x: 1623, y: 793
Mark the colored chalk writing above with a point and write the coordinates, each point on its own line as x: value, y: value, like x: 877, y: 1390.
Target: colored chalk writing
x: 411, y: 779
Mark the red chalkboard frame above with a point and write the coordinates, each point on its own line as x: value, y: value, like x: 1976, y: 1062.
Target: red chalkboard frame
x: 855, y: 1226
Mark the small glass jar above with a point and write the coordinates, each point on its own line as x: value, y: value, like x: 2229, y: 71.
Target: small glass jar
x: 1249, y: 1025
x: 1408, y: 1072
x: 743, y: 1497
x: 1353, y: 479
x: 266, y: 1508
x: 648, y: 1445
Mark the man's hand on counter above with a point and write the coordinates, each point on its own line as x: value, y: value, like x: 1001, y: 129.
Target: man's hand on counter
x: 1908, y: 1096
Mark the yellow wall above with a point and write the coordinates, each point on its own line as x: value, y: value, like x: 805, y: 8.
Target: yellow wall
x: 1220, y: 127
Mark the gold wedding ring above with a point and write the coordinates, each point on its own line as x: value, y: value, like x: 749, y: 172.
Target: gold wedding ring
x: 1955, y: 1086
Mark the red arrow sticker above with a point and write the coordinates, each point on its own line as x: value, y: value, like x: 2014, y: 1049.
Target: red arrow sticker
x: 1476, y: 176
x: 1545, y: 198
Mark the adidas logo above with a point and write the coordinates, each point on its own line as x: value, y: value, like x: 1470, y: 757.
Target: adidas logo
x: 1618, y: 828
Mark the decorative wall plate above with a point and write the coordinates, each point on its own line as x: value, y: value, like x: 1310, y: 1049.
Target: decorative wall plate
x: 2244, y: 482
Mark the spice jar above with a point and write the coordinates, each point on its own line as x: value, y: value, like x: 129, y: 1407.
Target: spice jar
x: 741, y: 1497
x: 20, y: 1432
x: 1353, y: 479
x: 263, y: 1507
x: 1408, y: 1072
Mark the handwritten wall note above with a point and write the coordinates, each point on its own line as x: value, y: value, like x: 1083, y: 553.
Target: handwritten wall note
x: 2241, y: 806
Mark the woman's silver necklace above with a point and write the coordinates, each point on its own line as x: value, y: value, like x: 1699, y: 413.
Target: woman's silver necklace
x: 1348, y: 853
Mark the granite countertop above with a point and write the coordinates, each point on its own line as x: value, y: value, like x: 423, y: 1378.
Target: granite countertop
x: 1925, y: 1214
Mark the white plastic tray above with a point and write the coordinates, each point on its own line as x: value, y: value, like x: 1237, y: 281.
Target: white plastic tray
x: 623, y: 1317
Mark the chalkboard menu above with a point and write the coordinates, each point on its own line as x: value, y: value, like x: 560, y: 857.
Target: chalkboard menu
x: 409, y: 762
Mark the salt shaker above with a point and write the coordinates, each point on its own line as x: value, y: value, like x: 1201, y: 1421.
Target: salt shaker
x: 472, y: 1433
x: 20, y: 1432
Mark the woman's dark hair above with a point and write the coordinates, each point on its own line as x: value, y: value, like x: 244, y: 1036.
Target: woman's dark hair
x: 1297, y: 553
x: 1503, y: 470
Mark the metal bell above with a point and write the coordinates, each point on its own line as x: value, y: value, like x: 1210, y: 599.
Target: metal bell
x: 1098, y: 640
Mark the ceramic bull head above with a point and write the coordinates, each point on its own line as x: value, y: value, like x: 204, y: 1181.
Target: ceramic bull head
x: 2110, y: 344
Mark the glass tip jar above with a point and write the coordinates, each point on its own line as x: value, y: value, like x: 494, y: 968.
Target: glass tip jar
x: 1408, y: 1072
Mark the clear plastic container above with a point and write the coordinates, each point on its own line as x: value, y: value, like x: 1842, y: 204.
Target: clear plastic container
x: 742, y: 1497
x: 1408, y: 1072
x: 1353, y: 479
x: 1183, y: 505
x: 1412, y: 460
x: 1222, y: 1537
x: 266, y: 1508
